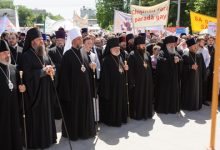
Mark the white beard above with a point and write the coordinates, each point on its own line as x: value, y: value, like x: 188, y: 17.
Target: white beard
x: 116, y: 53
x: 6, y: 63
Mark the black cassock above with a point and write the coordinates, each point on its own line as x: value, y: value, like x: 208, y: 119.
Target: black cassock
x: 9, y: 112
x: 39, y: 100
x: 192, y: 81
x: 140, y: 85
x: 113, y: 102
x: 16, y: 53
x: 124, y: 55
x: 210, y: 74
x: 56, y: 55
x: 75, y: 95
x: 168, y: 83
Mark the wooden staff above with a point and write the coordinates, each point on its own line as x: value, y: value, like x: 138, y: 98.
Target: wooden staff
x: 95, y: 102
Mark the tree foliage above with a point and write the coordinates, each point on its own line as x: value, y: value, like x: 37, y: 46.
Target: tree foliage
x: 27, y: 17
x: 207, y: 7
x: 105, y: 11
x: 6, y: 4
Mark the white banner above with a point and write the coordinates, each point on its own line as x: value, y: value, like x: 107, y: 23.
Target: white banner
x: 212, y: 28
x: 156, y: 15
x: 122, y: 22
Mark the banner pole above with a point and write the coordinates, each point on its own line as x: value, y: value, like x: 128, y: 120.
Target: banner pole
x: 215, y: 83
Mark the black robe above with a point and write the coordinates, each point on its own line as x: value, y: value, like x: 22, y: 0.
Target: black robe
x: 56, y: 55
x: 129, y: 48
x: 40, y: 97
x: 168, y: 83
x: 210, y: 73
x: 140, y: 85
x: 75, y: 95
x: 9, y: 112
x: 149, y: 48
x: 16, y: 56
x: 124, y: 55
x: 192, y: 81
x: 113, y: 102
x: 21, y: 43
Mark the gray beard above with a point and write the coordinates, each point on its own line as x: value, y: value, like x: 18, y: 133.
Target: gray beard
x: 60, y: 47
x: 40, y: 51
x: 171, y: 50
x: 115, y: 53
x: 6, y: 63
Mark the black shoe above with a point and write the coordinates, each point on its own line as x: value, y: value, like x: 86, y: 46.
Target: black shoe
x: 206, y: 103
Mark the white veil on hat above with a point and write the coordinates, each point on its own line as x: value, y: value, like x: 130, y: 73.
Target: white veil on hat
x: 71, y: 35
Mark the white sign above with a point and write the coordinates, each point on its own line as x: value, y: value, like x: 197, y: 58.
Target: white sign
x: 122, y: 22
x: 150, y: 16
x: 212, y: 28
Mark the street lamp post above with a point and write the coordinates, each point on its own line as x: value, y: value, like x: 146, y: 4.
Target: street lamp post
x: 178, y: 14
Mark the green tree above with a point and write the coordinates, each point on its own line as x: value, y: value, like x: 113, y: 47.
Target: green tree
x: 54, y: 17
x: 6, y: 4
x: 206, y: 7
x: 105, y: 11
x: 26, y: 16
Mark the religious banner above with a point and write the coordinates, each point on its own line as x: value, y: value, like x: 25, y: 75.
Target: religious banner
x: 122, y: 22
x: 200, y: 22
x: 212, y: 28
x: 156, y: 15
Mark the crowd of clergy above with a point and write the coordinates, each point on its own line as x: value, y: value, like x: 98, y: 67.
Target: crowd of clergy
x: 86, y: 78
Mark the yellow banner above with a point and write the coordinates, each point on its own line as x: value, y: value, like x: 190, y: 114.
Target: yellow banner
x: 200, y: 22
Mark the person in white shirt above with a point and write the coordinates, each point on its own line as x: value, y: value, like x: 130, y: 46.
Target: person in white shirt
x: 206, y: 56
x: 202, y: 49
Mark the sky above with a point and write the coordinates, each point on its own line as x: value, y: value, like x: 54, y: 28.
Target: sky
x: 63, y: 7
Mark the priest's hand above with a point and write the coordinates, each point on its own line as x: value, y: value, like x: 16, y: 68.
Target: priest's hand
x: 93, y: 66
x: 194, y: 66
x: 126, y: 68
x: 176, y: 59
x: 49, y: 70
x: 22, y: 88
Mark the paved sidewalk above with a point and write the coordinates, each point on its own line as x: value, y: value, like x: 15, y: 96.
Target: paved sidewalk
x: 191, y: 131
